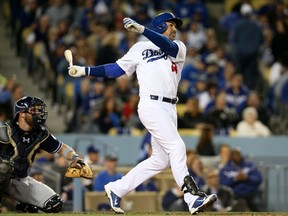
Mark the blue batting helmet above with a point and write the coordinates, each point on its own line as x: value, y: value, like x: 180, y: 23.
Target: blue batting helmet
x: 159, y: 25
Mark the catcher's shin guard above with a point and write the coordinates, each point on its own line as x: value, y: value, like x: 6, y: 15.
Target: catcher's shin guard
x: 191, y: 187
x: 53, y: 205
x: 23, y: 207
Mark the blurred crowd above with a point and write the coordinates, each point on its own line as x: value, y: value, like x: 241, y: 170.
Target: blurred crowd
x: 225, y: 171
x: 236, y: 84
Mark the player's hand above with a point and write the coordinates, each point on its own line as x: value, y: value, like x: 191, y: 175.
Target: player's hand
x: 133, y: 26
x: 77, y: 163
x: 76, y: 71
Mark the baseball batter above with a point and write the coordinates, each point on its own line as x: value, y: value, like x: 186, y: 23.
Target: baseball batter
x: 20, y: 140
x: 158, y: 64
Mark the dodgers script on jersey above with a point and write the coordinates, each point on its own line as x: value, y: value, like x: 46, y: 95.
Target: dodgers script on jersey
x: 154, y: 64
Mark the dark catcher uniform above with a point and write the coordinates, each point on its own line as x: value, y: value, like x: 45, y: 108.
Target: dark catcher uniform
x: 19, y: 148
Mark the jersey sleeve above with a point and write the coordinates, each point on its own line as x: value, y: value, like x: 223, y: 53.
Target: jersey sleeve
x: 129, y: 62
x: 181, y: 55
x: 51, y: 144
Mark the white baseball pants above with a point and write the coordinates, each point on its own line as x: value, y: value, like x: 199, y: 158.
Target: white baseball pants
x: 168, y: 148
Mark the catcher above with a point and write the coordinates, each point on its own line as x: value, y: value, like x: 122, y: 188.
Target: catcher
x: 20, y: 140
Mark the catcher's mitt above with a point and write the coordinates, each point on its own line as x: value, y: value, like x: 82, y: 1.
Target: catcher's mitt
x: 79, y: 169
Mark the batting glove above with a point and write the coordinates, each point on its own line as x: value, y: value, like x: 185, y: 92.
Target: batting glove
x: 76, y: 71
x: 133, y: 26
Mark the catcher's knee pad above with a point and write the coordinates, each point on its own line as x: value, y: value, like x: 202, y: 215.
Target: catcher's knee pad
x: 53, y: 205
x: 6, y: 171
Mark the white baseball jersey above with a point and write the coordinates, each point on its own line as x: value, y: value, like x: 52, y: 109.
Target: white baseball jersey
x: 157, y: 73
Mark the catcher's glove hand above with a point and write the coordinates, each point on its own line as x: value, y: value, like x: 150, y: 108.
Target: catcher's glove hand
x: 79, y: 169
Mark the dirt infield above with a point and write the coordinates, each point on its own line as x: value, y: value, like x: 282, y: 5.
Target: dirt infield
x: 156, y: 214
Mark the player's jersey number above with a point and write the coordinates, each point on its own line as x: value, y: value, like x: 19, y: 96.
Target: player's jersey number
x: 174, y: 67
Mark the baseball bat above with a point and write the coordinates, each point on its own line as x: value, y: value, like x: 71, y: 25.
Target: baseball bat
x: 69, y: 58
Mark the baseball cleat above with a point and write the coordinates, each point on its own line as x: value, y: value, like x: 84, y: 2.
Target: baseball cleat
x: 114, y: 200
x: 202, y: 202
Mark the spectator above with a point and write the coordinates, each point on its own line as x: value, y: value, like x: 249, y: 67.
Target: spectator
x: 145, y: 147
x: 123, y: 88
x: 243, y: 177
x: 250, y: 126
x: 229, y: 71
x: 109, y: 174
x: 196, y: 36
x: 60, y: 166
x: 96, y: 92
x: 253, y: 100
x: 3, y: 117
x: 129, y: 112
x: 245, y: 44
x: 222, y: 116
x: 108, y: 117
x: 58, y: 11
x: 237, y: 93
x: 92, y: 157
x: 37, y: 175
x: 225, y: 195
x: 6, y: 100
x: 224, y: 156
x: 208, y: 96
x: 107, y: 48
x: 173, y: 200
x: 17, y: 92
x: 148, y: 185
x: 279, y: 43
x: 145, y: 152
x: 205, y: 145
x: 196, y: 170
x: 191, y: 153
x: 192, y: 118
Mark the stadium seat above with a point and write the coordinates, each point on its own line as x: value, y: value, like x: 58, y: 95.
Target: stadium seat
x: 188, y: 132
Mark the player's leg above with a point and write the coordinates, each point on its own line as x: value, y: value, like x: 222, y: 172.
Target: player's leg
x: 156, y: 163
x: 146, y: 169
x: 162, y: 123
x: 34, y: 195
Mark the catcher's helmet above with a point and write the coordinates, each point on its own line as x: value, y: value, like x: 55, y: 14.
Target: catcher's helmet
x: 33, y: 105
x: 159, y: 25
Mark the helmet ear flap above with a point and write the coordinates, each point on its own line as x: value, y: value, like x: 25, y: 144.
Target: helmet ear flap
x: 162, y: 27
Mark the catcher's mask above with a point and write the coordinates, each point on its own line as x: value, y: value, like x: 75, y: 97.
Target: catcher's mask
x: 159, y: 22
x: 34, y: 106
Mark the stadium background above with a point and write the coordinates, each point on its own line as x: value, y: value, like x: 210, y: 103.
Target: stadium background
x: 35, y: 78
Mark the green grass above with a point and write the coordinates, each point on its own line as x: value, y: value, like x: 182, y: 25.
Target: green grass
x: 154, y: 213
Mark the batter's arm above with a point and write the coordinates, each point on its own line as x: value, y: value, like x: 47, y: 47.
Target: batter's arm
x: 111, y: 70
x: 165, y: 44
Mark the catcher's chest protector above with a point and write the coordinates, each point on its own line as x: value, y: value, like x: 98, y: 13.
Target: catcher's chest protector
x: 22, y: 147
